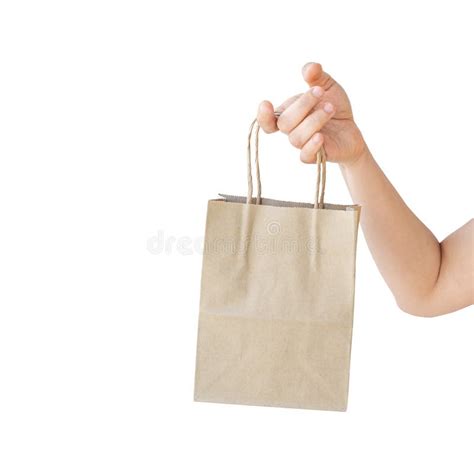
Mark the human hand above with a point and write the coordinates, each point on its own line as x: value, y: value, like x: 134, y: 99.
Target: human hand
x: 321, y: 115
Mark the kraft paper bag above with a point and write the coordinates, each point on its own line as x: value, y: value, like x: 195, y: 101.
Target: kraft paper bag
x: 277, y: 299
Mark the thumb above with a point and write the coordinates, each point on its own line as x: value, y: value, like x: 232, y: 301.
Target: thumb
x: 314, y: 75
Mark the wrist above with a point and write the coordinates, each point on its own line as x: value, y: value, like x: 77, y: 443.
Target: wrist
x: 358, y: 160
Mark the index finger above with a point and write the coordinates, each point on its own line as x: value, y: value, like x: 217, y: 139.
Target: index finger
x: 267, y: 116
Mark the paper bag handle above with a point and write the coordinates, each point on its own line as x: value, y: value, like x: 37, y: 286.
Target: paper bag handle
x: 320, y: 169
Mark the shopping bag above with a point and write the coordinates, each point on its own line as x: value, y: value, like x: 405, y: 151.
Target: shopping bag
x: 277, y: 298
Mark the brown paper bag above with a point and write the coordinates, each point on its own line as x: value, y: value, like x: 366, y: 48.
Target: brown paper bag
x: 277, y: 299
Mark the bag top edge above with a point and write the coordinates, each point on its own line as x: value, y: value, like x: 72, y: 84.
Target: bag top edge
x: 278, y: 203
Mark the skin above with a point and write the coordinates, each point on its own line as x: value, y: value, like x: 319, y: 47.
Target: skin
x: 426, y: 277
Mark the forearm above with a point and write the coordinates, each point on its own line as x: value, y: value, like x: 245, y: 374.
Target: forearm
x: 404, y: 249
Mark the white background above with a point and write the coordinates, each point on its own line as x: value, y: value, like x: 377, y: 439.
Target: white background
x: 118, y: 121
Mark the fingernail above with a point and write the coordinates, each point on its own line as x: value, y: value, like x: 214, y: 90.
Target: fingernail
x: 317, y: 91
x: 329, y: 108
x: 316, y: 138
x: 307, y: 65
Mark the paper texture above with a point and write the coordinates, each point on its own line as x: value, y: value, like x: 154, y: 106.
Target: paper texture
x: 276, y: 308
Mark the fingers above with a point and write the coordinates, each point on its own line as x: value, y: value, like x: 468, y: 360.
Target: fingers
x: 311, y: 147
x: 266, y: 114
x: 266, y: 117
x: 313, y: 123
x: 314, y: 75
x: 288, y: 102
x: 295, y: 113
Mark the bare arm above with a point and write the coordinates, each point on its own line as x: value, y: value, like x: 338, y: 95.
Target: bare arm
x: 426, y: 277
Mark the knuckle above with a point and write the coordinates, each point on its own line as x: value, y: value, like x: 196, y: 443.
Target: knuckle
x: 283, y: 124
x: 316, y: 122
x: 307, y: 99
x: 295, y: 140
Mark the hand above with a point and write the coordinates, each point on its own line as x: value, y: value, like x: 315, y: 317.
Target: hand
x: 321, y: 115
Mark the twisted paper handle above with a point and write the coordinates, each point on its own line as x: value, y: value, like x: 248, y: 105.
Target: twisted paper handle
x: 320, y: 169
